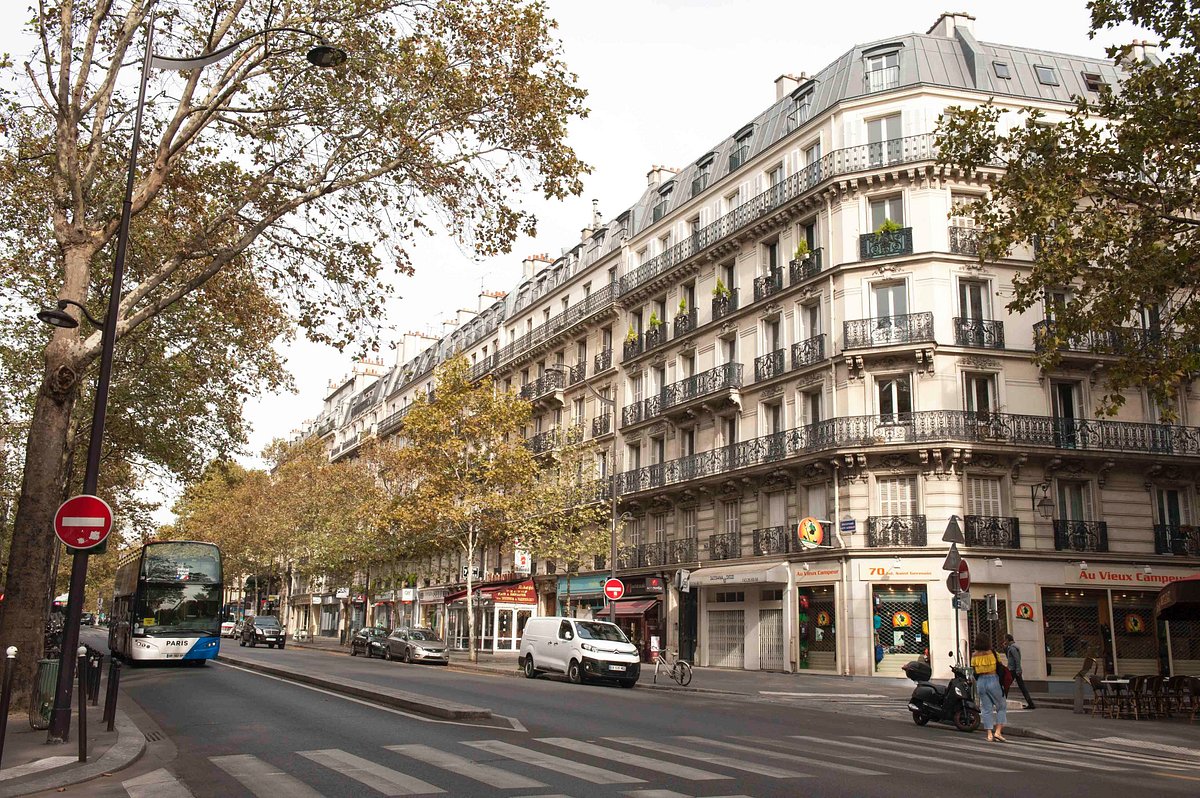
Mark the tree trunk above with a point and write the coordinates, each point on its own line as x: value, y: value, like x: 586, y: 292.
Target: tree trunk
x: 569, y: 612
x: 24, y: 610
x: 472, y: 653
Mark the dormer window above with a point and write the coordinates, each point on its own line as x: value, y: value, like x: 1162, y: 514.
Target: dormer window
x: 1045, y: 75
x: 801, y: 106
x: 741, y: 147
x: 882, y: 71
x: 1094, y: 81
x: 703, y: 172
x: 664, y: 198
x: 1002, y: 71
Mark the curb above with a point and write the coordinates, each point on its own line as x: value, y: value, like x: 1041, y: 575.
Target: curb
x: 128, y: 748
x: 516, y: 673
x: 411, y: 702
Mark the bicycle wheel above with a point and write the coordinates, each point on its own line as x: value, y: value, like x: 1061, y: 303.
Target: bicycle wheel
x: 682, y: 673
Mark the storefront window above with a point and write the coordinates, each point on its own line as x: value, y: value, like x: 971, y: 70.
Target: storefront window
x: 901, y: 623
x: 1185, y: 647
x: 977, y: 621
x: 1134, y: 629
x: 817, y: 628
x: 1076, y: 627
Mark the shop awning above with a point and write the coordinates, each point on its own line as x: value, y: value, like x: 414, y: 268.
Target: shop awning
x: 633, y: 607
x: 483, y: 591
x: 1179, y: 601
x: 740, y: 575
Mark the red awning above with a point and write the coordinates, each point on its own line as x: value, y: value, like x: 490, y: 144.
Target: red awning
x: 485, y: 590
x: 632, y: 607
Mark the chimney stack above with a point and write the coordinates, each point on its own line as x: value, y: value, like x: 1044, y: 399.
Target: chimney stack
x: 949, y: 20
x: 597, y: 219
x: 785, y: 85
x: 533, y: 264
x: 659, y: 174
x: 1140, y: 50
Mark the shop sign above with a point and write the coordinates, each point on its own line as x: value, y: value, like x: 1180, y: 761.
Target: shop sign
x: 342, y: 593
x: 328, y: 600
x: 888, y: 572
x: 818, y: 573
x: 520, y: 593
x: 1025, y: 611
x: 1123, y: 576
x: 522, y: 562
x: 433, y: 595
x: 316, y: 599
x: 810, y: 533
x: 408, y: 594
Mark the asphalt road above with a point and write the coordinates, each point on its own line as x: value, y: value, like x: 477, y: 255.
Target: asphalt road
x: 224, y: 731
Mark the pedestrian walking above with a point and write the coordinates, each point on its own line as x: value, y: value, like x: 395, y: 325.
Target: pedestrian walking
x: 991, y: 697
x: 1013, y: 654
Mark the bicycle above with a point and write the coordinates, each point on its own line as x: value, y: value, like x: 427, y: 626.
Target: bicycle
x: 677, y: 669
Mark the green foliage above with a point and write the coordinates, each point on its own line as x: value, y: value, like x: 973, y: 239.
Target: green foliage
x: 683, y: 306
x: 1109, y: 195
x: 631, y: 335
x: 720, y: 291
x: 802, y: 250
x: 655, y: 321
x: 887, y: 228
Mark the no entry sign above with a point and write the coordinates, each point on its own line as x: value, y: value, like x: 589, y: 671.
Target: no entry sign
x: 83, y: 522
x: 614, y: 589
x: 964, y: 576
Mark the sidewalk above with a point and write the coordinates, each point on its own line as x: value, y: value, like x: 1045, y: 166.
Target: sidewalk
x: 31, y: 765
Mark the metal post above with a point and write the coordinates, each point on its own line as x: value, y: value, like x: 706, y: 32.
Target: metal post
x: 6, y: 694
x: 612, y: 543
x: 60, y: 717
x: 110, y: 694
x: 82, y: 704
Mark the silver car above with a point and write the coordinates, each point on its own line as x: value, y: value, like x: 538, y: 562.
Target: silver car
x: 416, y: 645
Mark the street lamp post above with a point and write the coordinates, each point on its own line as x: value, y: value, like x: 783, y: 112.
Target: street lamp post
x: 323, y: 55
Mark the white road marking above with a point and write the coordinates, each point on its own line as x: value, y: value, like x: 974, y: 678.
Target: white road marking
x: 782, y: 757
x: 554, y: 763
x: 993, y: 753
x: 906, y: 766
x: 263, y: 779
x: 822, y: 695
x: 36, y: 766
x: 1149, y: 745
x: 491, y: 776
x: 156, y: 784
x: 1018, y: 750
x: 655, y: 794
x: 384, y: 779
x: 877, y: 749
x: 659, y: 766
x: 715, y: 759
x: 1107, y: 754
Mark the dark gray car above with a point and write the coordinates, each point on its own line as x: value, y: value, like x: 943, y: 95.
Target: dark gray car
x: 414, y: 644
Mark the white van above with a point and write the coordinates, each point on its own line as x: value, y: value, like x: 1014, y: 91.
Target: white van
x: 579, y: 648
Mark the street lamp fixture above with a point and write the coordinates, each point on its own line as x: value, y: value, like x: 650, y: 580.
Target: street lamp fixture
x: 1044, y: 506
x: 321, y: 55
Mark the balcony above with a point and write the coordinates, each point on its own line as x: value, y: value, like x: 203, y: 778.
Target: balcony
x: 626, y: 557
x: 393, y: 421
x: 548, y: 383
x: 885, y: 245
x: 602, y: 361
x: 1177, y: 539
x: 992, y: 532
x: 724, y: 305
x: 772, y: 540
x: 769, y: 365
x: 682, y: 393
x: 1117, y: 341
x: 601, y: 425
x: 651, y: 555
x: 768, y: 284
x: 805, y: 268
x: 1080, y: 535
x: 544, y: 441
x: 912, y: 328
x: 565, y: 322
x: 682, y: 550
x: 347, y: 447
x: 325, y: 428
x: 895, y: 531
x: 649, y: 340
x: 727, y: 546
x: 964, y: 240
x: 979, y: 333
x: 808, y: 352
x: 483, y: 367
x: 685, y: 323
x: 882, y: 79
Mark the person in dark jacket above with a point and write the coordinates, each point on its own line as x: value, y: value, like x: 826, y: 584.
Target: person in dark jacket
x: 1013, y: 654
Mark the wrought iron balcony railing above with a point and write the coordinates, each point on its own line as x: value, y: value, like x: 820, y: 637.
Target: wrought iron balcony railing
x: 1117, y: 341
x: 725, y: 546
x: 602, y: 361
x: 768, y: 284
x: 882, y: 78
x: 805, y: 268
x: 647, y: 341
x: 911, y: 149
x: 964, y: 240
x: 1178, y: 539
x: 601, y: 425
x: 627, y: 557
x: 911, y: 328
x: 724, y: 305
x: 991, y: 531
x: 1080, y: 535
x: 772, y: 540
x: 632, y: 347
x: 885, y: 245
x: 769, y: 365
x: 596, y: 302
x: 682, y: 550
x: 721, y: 378
x: 547, y: 383
x: 981, y: 333
x: 685, y: 322
x: 650, y: 555
x: 347, y: 446
x: 544, y: 441
x: 393, y: 420
x: 576, y: 373
x: 325, y: 428
x: 482, y: 367
x: 895, y: 530
x: 809, y: 351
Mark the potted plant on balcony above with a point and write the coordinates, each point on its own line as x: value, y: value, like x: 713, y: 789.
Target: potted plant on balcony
x: 655, y: 321
x: 802, y: 252
x: 683, y: 306
x: 720, y: 291
x: 887, y: 228
x: 631, y: 336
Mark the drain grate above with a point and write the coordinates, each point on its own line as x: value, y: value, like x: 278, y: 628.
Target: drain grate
x: 154, y: 736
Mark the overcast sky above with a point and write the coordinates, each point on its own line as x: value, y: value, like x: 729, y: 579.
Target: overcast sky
x: 666, y: 79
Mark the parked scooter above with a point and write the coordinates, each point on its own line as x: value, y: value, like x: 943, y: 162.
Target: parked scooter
x: 955, y: 703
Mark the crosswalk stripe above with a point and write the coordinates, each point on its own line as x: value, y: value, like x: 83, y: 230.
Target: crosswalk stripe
x: 655, y: 794
x: 996, y: 752
x: 1110, y: 755
x: 554, y: 763
x: 714, y: 759
x: 156, y: 784
x: 907, y: 767
x: 372, y: 774
x: 263, y: 779
x: 657, y: 765
x: 491, y: 776
x: 875, y: 749
x: 1016, y: 751
x: 778, y: 755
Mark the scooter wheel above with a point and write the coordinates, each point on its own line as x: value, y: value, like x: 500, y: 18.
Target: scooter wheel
x: 966, y: 720
x: 920, y: 718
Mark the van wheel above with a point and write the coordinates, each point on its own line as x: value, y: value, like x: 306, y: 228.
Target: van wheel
x: 530, y: 671
x: 575, y: 672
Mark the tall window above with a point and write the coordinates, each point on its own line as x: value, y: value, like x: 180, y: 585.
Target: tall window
x: 887, y: 209
x: 703, y: 172
x: 772, y: 336
x: 659, y: 527
x: 577, y: 412
x: 883, y: 140
x: 891, y: 300
x: 731, y: 516
x: 897, y: 496
x: 973, y: 300
x: 801, y: 107
x: 1171, y: 506
x: 687, y: 521
x: 658, y: 450
x: 882, y: 71
x: 729, y: 350
x: 741, y: 149
x: 810, y: 406
x: 729, y: 429
x: 687, y: 442
x: 895, y: 399
x: 633, y: 456
x: 983, y: 496
x: 771, y: 256
x: 773, y: 417
x: 979, y: 393
x: 664, y: 199
x: 1074, y: 500
x: 810, y: 318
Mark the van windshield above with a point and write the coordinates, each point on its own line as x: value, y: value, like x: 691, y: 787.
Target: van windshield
x: 589, y: 630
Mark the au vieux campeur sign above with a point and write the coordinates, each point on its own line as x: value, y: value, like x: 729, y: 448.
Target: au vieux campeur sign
x: 1124, y: 575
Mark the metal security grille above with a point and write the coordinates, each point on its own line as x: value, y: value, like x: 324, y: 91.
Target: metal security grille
x: 902, y: 624
x: 770, y: 640
x: 1135, y: 634
x: 977, y: 621
x: 822, y: 638
x: 727, y: 638
x: 1185, y: 647
x: 1072, y: 630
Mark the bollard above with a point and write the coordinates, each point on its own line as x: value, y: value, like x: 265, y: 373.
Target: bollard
x: 82, y: 667
x: 110, y: 694
x: 6, y: 694
x: 95, y: 664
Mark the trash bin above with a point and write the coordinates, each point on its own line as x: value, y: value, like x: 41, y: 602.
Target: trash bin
x: 42, y: 703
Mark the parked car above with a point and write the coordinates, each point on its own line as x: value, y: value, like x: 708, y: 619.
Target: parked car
x: 238, y: 625
x: 581, y: 649
x: 228, y: 628
x: 369, y: 641
x: 414, y: 644
x: 87, y: 619
x: 262, y: 629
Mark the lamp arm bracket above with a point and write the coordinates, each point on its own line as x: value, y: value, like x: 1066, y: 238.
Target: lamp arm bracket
x: 197, y: 62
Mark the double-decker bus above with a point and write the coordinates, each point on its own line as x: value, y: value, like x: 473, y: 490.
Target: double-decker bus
x: 167, y: 603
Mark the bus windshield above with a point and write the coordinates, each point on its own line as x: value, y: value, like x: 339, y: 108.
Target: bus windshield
x: 174, y: 609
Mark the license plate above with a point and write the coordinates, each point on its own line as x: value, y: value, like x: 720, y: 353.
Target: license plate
x: 616, y: 667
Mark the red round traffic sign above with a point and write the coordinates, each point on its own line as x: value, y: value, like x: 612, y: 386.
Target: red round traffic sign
x: 83, y: 522
x: 614, y: 589
x: 964, y: 576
